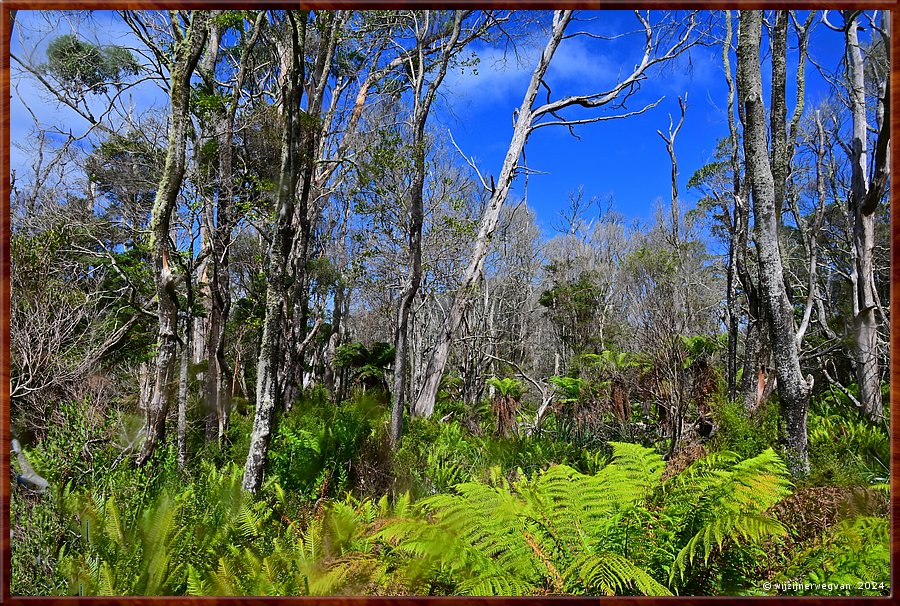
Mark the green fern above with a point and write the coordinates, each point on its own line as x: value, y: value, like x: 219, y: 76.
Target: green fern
x: 720, y: 499
x: 546, y: 534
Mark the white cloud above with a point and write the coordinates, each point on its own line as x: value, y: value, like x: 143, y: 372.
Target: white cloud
x: 496, y: 76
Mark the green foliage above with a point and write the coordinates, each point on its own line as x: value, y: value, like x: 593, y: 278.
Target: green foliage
x: 368, y: 364
x: 723, y: 499
x: 568, y: 389
x: 539, y: 535
x: 701, y: 347
x: 561, y: 531
x: 507, y: 387
x: 573, y: 306
x: 744, y: 433
x: 317, y: 447
x: 855, y: 553
x: 847, y: 452
x: 86, y: 67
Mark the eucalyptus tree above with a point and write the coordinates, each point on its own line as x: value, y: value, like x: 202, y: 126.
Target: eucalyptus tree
x: 188, y: 33
x: 870, y: 169
x: 662, y: 43
x: 216, y: 104
x: 299, y: 140
x: 793, y: 388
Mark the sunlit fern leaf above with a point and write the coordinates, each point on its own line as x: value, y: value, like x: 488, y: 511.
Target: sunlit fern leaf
x: 196, y: 584
x: 642, y: 465
x: 157, y: 530
x: 344, y: 524
x: 247, y: 521
x: 312, y: 541
x: 113, y: 522
x: 106, y: 581
x: 609, y: 573
x: 732, y: 505
x: 495, y: 585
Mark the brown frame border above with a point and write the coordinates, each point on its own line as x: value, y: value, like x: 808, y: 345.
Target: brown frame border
x: 7, y: 5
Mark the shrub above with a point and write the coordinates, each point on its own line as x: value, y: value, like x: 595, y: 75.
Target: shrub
x: 743, y: 433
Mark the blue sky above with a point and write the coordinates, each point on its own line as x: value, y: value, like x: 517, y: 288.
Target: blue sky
x: 623, y: 160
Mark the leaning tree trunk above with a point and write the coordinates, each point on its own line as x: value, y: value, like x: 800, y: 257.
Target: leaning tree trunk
x: 186, y: 55
x: 424, y: 405
x: 793, y: 390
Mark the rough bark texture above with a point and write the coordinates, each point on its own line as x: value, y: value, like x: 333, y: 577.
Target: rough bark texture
x: 208, y: 328
x: 289, y: 250
x: 781, y: 154
x: 793, y: 390
x: 282, y: 239
x: 735, y: 248
x: 186, y: 55
x: 424, y: 404
x: 863, y: 203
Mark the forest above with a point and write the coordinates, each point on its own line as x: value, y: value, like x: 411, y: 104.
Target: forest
x: 449, y: 302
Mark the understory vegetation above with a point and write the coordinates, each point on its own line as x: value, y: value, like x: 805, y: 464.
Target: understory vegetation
x: 454, y: 511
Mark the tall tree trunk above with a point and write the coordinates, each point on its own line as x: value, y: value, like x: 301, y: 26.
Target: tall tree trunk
x: 186, y: 55
x: 267, y: 392
x: 864, y: 200
x: 793, y: 390
x: 183, y: 381
x: 218, y: 388
x: 737, y: 242
x: 288, y: 254
x: 424, y: 97
x: 781, y: 155
x: 424, y: 405
x: 209, y: 127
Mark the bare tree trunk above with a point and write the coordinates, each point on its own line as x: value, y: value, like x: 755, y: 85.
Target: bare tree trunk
x: 793, y: 390
x: 526, y: 120
x: 670, y: 147
x: 864, y: 200
x: 425, y: 401
x: 186, y: 54
x: 205, y: 327
x: 781, y: 154
x: 267, y: 392
x: 424, y: 97
x: 737, y: 241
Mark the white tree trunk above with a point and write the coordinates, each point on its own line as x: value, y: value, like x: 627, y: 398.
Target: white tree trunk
x: 424, y: 404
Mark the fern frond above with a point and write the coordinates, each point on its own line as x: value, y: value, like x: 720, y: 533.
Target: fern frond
x: 609, y: 573
x: 494, y: 585
x: 196, y: 585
